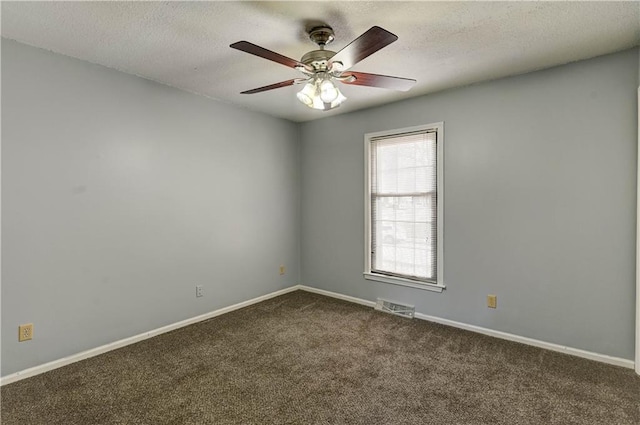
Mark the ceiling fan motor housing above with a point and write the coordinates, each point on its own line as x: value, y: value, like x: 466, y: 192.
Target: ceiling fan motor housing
x: 318, y: 59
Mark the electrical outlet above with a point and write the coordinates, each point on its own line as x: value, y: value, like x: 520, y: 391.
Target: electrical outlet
x: 25, y: 332
x: 282, y: 270
x: 492, y: 301
x: 199, y: 291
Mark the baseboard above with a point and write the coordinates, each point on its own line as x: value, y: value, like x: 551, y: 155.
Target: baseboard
x: 617, y: 361
x: 337, y: 295
x: 36, y: 370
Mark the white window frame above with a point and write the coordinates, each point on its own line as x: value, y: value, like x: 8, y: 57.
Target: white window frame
x: 439, y: 285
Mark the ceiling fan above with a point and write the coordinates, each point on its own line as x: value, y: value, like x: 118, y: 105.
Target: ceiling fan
x: 323, y: 67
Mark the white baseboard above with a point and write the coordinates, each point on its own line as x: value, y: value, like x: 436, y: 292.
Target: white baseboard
x: 336, y: 295
x: 36, y: 370
x: 617, y: 361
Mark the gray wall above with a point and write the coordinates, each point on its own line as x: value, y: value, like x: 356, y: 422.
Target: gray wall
x: 540, y: 191
x: 120, y: 195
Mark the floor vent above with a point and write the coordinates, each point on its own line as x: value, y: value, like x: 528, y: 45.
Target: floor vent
x: 407, y: 311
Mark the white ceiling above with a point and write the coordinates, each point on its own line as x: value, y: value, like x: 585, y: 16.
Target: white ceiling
x: 441, y: 44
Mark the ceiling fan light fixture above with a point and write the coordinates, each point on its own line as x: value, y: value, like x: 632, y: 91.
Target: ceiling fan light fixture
x: 321, y: 105
x: 338, y: 101
x: 321, y: 94
x: 308, y: 94
x: 328, y: 91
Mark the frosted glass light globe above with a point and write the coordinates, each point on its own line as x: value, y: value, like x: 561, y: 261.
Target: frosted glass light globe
x: 328, y: 91
x: 307, y: 94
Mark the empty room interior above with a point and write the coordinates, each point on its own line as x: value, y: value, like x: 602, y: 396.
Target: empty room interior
x: 320, y: 213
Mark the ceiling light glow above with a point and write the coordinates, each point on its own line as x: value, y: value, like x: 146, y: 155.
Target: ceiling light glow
x: 321, y: 93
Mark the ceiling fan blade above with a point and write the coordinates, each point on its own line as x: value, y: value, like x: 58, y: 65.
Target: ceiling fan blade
x: 245, y: 46
x: 382, y: 81
x: 368, y: 43
x: 272, y: 86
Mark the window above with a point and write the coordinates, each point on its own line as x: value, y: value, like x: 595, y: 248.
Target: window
x: 404, y: 207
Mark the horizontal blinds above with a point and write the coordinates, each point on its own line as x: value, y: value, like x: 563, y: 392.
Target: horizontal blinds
x: 404, y: 205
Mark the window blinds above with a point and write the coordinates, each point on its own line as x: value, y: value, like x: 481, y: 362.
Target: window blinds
x: 404, y: 205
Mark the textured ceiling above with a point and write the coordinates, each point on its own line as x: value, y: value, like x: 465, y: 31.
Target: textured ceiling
x: 441, y: 44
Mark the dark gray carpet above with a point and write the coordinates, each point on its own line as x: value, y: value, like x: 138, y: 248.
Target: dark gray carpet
x: 306, y: 359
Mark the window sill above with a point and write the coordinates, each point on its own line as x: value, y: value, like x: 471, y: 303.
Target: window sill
x: 405, y: 282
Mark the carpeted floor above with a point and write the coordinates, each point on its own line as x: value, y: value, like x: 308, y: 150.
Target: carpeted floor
x: 306, y: 359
